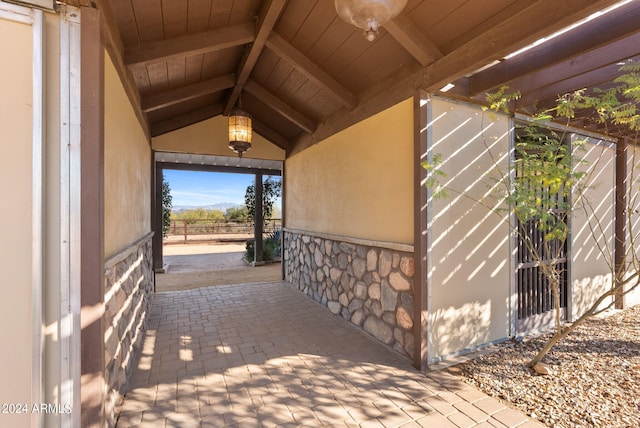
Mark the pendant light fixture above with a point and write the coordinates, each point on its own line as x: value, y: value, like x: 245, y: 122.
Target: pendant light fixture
x: 239, y: 130
x: 369, y: 14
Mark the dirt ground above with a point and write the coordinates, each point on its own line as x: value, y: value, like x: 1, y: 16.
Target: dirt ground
x: 202, y: 265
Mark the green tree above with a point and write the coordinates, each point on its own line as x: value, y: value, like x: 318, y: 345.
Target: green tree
x: 237, y: 213
x: 167, y: 205
x: 271, y: 190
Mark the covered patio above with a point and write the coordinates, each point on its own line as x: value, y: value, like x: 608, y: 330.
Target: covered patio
x: 104, y: 94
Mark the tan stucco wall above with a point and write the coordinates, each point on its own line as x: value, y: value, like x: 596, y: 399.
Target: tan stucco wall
x: 590, y: 271
x: 16, y: 316
x: 357, y: 183
x: 210, y: 137
x: 127, y: 169
x: 469, y: 258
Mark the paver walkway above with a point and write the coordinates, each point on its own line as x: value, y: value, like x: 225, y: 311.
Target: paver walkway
x: 266, y: 355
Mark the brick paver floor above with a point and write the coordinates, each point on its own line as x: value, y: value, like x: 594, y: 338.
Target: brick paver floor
x: 266, y: 355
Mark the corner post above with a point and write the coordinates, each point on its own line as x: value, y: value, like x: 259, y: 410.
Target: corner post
x: 258, y: 221
x: 420, y: 289
x: 620, y: 218
x: 92, y: 48
x: 156, y: 217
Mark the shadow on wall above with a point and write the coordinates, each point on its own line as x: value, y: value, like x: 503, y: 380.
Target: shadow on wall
x: 453, y: 328
x: 586, y: 290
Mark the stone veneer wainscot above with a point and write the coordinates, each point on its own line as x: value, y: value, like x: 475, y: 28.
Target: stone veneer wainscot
x: 128, y: 291
x: 369, y: 284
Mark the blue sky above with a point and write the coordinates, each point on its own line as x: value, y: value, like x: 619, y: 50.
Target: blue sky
x: 196, y: 188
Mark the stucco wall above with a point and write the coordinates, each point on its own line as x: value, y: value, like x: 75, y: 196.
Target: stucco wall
x: 468, y: 252
x: 16, y: 317
x: 594, y: 210
x: 127, y: 169
x: 357, y: 183
x: 210, y: 137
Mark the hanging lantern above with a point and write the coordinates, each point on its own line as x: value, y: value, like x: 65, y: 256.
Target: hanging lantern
x: 239, y: 131
x: 369, y: 14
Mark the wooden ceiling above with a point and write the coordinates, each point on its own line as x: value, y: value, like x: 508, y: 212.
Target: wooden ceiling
x: 304, y: 74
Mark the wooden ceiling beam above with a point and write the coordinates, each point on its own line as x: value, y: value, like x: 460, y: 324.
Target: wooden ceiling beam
x: 164, y: 126
x: 280, y: 106
x: 269, y: 134
x: 547, y: 95
x: 171, y: 97
x: 271, y: 11
x: 180, y: 47
x: 413, y: 40
x: 613, y: 26
x: 308, y: 68
x: 609, y: 54
x: 524, y: 28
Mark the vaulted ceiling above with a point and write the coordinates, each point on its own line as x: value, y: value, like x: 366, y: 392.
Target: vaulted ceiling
x: 304, y: 74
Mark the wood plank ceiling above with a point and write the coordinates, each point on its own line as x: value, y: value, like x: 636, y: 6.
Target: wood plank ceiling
x: 304, y: 74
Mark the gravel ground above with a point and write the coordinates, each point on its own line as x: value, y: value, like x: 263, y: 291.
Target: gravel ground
x: 595, y: 380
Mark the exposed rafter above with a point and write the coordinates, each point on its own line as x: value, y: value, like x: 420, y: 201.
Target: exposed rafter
x: 616, y: 25
x: 593, y: 60
x: 268, y: 18
x: 337, y: 78
x: 314, y: 73
x: 280, y: 106
x: 413, y: 40
x: 554, y: 89
x: 171, y: 97
x: 508, y: 36
x: 180, y: 47
x: 187, y: 119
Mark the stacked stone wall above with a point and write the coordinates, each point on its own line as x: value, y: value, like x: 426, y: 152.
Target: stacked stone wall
x: 129, y: 288
x: 370, y: 286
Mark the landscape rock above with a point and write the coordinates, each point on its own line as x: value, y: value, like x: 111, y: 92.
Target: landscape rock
x: 542, y: 369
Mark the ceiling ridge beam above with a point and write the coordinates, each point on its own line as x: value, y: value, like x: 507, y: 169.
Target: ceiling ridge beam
x: 312, y: 71
x: 413, y: 40
x: 171, y: 97
x: 611, y: 27
x: 168, y: 125
x: 280, y: 106
x: 271, y: 11
x: 179, y: 47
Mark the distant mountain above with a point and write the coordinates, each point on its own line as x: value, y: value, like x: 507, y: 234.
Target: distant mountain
x: 222, y: 206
